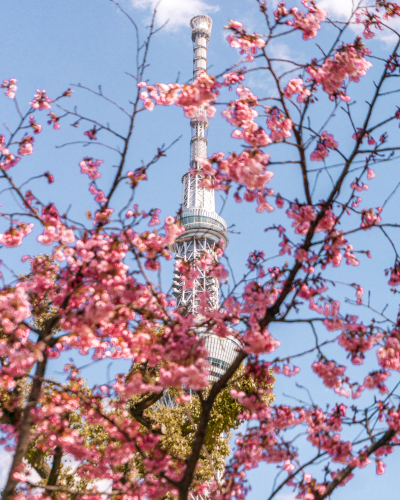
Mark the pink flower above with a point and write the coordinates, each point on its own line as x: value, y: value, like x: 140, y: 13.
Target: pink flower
x: 13, y: 237
x: 240, y: 39
x: 325, y: 142
x: 309, y: 23
x: 99, y: 195
x: 40, y: 101
x: 91, y: 134
x: 148, y: 104
x: 348, y: 62
x: 49, y: 177
x: 394, y: 274
x: 332, y: 375
x: 155, y: 220
x: 296, y: 86
x: 54, y: 120
x: 302, y: 216
x: 279, y: 125
x: 233, y: 78
x: 370, y: 218
x: 288, y: 466
x: 380, y: 467
x: 36, y: 127
x: 359, y: 294
x: 279, y: 201
x: 263, y: 204
x: 25, y: 146
x: 90, y: 166
x: 10, y: 86
x: 202, y: 92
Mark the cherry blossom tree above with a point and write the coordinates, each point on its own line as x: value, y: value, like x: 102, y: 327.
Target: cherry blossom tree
x: 94, y: 290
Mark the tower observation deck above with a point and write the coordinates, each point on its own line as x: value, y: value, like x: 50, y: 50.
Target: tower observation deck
x: 204, y: 228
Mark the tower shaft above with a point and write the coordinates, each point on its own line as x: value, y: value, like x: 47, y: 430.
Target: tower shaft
x: 204, y: 228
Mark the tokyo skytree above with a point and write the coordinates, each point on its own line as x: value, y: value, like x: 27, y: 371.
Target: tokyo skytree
x: 204, y: 228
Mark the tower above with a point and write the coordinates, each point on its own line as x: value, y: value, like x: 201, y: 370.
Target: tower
x: 204, y: 228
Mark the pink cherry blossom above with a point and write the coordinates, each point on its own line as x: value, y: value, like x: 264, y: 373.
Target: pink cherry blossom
x: 90, y: 166
x: 348, y: 62
x: 91, y: 134
x: 325, y: 142
x: 279, y: 125
x: 13, y: 237
x: 54, y: 119
x: 240, y: 39
x: 35, y: 126
x: 296, y: 86
x: 10, y: 86
x: 25, y: 146
x: 40, y: 101
x: 308, y: 23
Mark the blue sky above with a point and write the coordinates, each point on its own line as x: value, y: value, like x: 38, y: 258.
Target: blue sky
x: 50, y: 45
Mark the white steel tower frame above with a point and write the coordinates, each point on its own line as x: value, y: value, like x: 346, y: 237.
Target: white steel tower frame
x: 204, y: 228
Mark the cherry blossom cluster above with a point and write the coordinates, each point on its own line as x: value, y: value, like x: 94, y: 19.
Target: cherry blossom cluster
x: 54, y: 229
x: 325, y: 142
x: 152, y: 244
x: 26, y: 146
x: 10, y: 86
x: 389, y: 355
x: 241, y: 113
x: 91, y: 134
x: 54, y: 120
x: 333, y: 246
x: 348, y: 62
x: 13, y: 237
x: 247, y: 169
x: 8, y: 160
x: 193, y: 98
x: 370, y: 217
x: 394, y: 274
x: 356, y: 340
x: 279, y: 124
x: 264, y: 443
x: 303, y: 216
x: 240, y: 39
x: 296, y: 86
x: 308, y: 23
x: 333, y: 375
x: 40, y: 100
x: 233, y: 78
x: 99, y: 195
x: 370, y: 18
x: 90, y: 167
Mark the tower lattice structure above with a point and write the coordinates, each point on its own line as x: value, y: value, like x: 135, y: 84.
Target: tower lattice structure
x: 204, y: 228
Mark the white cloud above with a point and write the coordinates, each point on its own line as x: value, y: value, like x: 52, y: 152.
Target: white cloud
x: 340, y: 8
x: 177, y: 12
